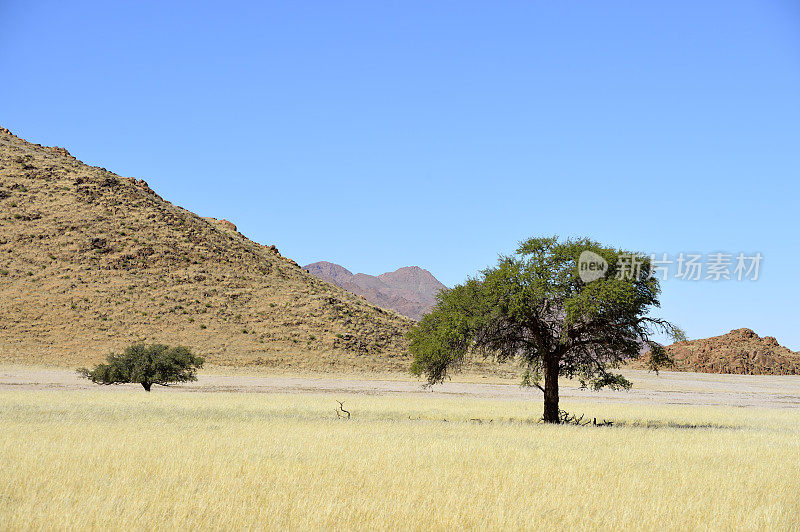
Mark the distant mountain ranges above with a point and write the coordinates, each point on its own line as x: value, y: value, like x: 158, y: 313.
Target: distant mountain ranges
x: 409, y: 291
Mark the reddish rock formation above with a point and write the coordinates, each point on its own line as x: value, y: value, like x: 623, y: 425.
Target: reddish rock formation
x: 740, y: 351
x: 409, y: 291
x: 228, y: 224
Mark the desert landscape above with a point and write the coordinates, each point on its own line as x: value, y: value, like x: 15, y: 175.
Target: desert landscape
x: 371, y: 266
x: 306, y: 415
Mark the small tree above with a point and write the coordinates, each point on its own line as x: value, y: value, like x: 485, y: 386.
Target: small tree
x: 147, y: 365
x: 535, y: 306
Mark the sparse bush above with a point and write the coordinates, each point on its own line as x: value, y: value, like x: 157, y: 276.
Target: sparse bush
x: 147, y: 365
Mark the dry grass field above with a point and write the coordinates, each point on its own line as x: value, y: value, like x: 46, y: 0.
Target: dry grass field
x: 117, y: 457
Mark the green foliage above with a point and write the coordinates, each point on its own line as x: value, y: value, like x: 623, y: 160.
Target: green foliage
x: 147, y: 365
x: 534, y: 306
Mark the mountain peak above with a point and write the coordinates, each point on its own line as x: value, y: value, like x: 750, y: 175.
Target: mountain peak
x: 328, y: 269
x: 410, y: 290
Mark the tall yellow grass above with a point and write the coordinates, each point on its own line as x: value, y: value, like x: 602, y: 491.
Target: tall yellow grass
x: 127, y: 459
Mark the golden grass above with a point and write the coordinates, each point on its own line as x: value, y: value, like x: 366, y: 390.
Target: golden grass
x: 127, y: 459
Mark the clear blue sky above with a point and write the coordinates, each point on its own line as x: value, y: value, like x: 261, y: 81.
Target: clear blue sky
x: 439, y: 134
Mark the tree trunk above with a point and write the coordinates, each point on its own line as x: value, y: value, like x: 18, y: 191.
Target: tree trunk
x: 551, y: 390
x: 146, y: 386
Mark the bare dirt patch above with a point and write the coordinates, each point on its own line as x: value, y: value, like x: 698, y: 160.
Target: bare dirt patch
x: 679, y: 388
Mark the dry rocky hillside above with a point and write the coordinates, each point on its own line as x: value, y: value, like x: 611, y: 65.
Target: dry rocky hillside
x: 91, y: 261
x: 740, y: 351
x: 410, y: 291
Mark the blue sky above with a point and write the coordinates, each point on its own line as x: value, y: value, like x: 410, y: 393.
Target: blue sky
x: 439, y: 134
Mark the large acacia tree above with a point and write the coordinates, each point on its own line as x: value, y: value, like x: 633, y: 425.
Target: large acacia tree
x: 535, y: 306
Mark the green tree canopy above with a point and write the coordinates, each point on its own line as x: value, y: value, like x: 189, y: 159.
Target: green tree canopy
x: 147, y: 365
x: 535, y: 306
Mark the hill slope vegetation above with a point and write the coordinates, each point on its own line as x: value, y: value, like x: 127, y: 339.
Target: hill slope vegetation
x: 91, y: 261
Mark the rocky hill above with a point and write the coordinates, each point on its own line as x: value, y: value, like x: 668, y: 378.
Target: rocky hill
x: 740, y: 351
x: 91, y: 261
x: 410, y: 291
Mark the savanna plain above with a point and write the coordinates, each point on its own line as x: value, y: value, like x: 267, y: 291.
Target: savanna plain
x: 234, y: 452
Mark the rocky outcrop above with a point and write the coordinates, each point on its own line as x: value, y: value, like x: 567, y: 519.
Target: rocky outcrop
x: 223, y: 223
x: 229, y: 225
x: 740, y: 351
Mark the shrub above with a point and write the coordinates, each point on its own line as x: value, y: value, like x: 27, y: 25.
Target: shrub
x: 147, y: 365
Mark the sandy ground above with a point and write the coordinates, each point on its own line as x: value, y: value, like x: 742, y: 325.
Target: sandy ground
x: 664, y: 388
